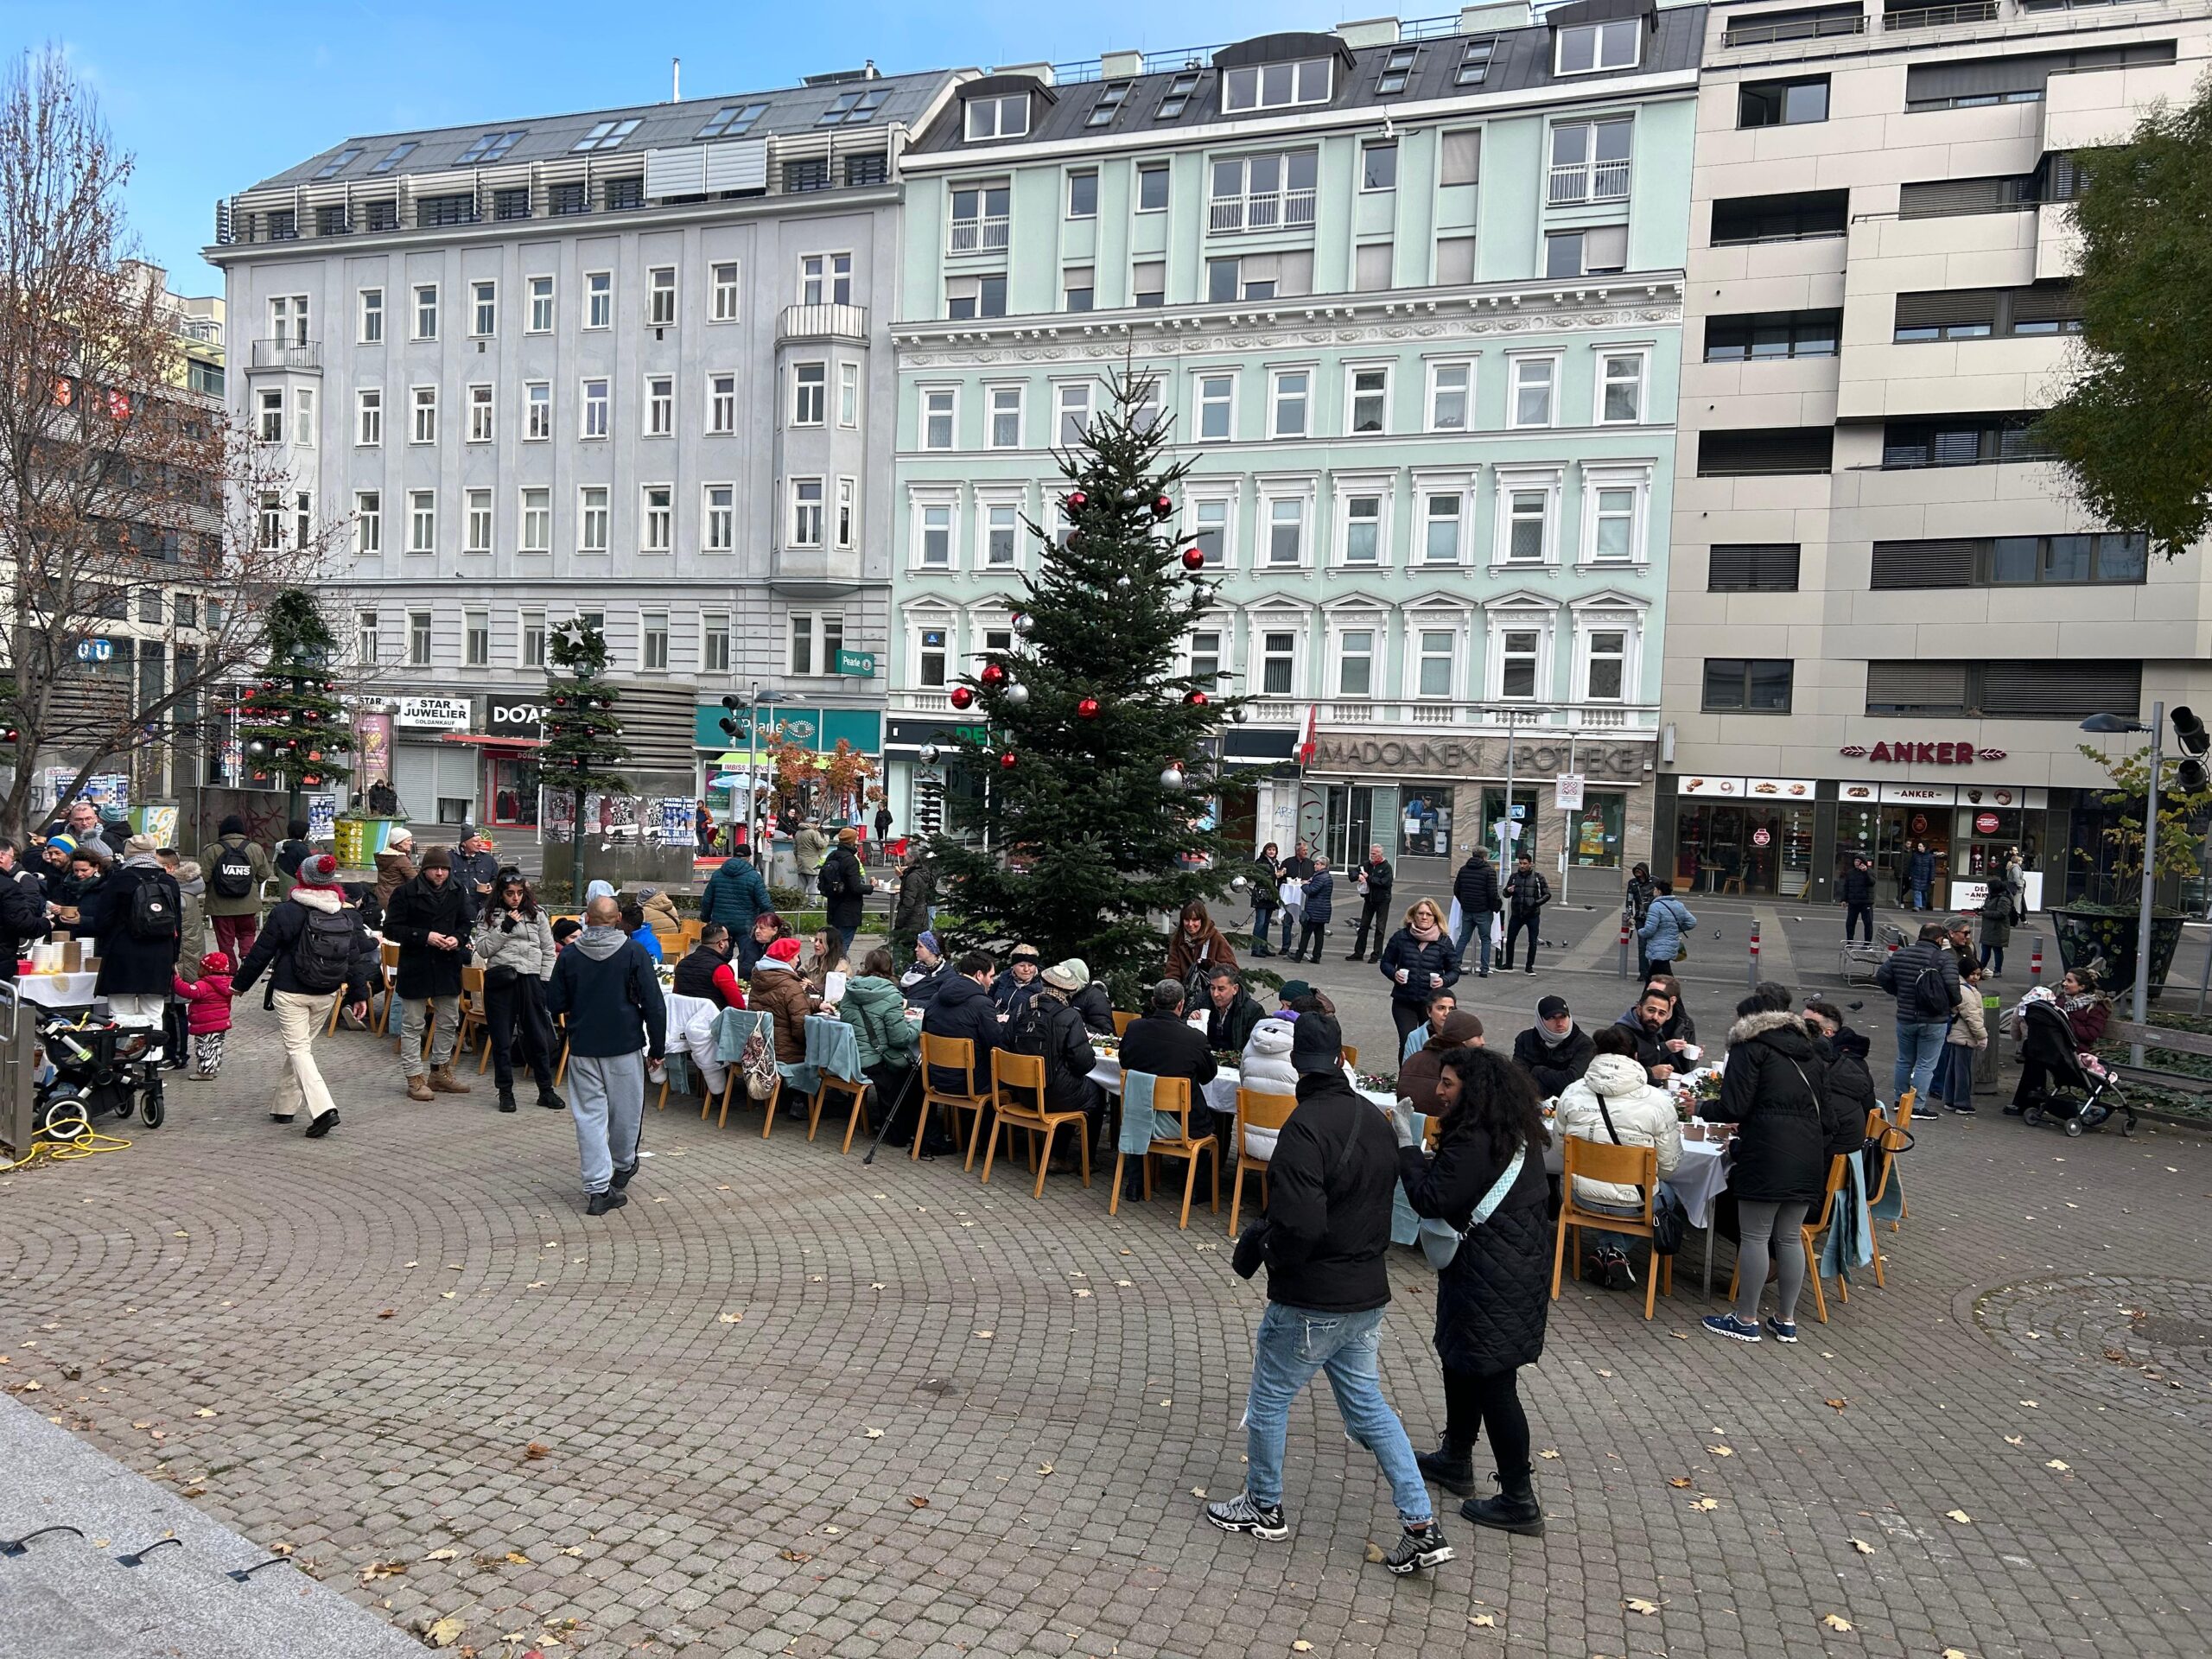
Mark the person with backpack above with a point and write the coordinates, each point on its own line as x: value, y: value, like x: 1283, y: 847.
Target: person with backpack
x: 315, y: 944
x: 1475, y: 888
x: 734, y: 895
x: 1526, y: 892
x: 427, y: 919
x: 1048, y: 1025
x: 617, y: 1027
x: 235, y: 868
x: 1923, y: 977
x: 136, y: 917
x: 290, y: 851
x: 192, y: 884
x: 841, y: 881
x: 962, y: 1007
x: 1663, y: 935
x: 208, y: 1012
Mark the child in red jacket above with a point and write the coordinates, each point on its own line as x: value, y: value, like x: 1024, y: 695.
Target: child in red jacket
x: 208, y: 1012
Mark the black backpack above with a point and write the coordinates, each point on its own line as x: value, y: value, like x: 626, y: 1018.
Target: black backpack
x: 322, y: 957
x: 233, y: 876
x: 827, y: 881
x: 154, y: 909
x: 1928, y: 991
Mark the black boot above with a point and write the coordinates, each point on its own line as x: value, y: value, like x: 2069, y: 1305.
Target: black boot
x: 507, y: 1099
x: 548, y: 1099
x: 1450, y: 1466
x: 1514, y: 1509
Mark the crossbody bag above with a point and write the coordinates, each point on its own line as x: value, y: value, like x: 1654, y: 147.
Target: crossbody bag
x: 1440, y: 1240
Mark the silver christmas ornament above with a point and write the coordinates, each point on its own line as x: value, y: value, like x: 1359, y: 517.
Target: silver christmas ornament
x: 1122, y: 581
x: 1023, y: 622
x: 928, y: 756
x: 1016, y: 693
x: 1130, y: 494
x: 1171, y: 779
x: 1237, y: 714
x: 1238, y: 884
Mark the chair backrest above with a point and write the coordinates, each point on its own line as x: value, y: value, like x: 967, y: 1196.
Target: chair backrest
x: 1599, y: 1160
x: 690, y: 932
x: 1836, y: 1179
x: 1173, y: 1097
x: 1123, y: 1020
x: 947, y: 1054
x: 1888, y: 1140
x: 388, y: 953
x: 672, y: 946
x: 1350, y: 1051
x: 1023, y: 1071
x: 471, y: 980
x: 1905, y: 1103
x: 1257, y: 1108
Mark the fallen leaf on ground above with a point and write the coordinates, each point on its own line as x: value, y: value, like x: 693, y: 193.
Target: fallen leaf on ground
x: 1083, y: 1293
x: 1959, y: 1515
x: 2055, y: 1464
x: 445, y: 1632
x: 1708, y: 1504
x: 518, y: 1558
x: 874, y: 1433
x: 1679, y: 1336
x: 1043, y: 1468
x: 385, y: 1314
x: 1679, y: 1481
x: 1722, y: 1451
x: 2030, y: 1404
x: 1638, y: 1604
x: 1862, y: 1547
x: 535, y: 1284
x: 1954, y: 1653
x: 831, y: 1532
x: 442, y: 1555
x: 733, y: 1318
x: 448, y: 1294
x: 794, y: 1554
x: 986, y: 1334
x: 1553, y: 1453
x: 919, y: 1501
x: 1488, y: 1621
x: 203, y: 1412
x: 1197, y: 1491
x: 1604, y: 1373
x: 535, y: 1450
x: 2016, y: 1439
x: 574, y: 1549
x: 1301, y: 1646
x: 1835, y: 1405
x: 879, y: 1285
x: 376, y: 1570
x: 1836, y: 1621
x: 1374, y: 1552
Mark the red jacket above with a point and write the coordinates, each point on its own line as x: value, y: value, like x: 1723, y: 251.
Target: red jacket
x: 209, y: 1000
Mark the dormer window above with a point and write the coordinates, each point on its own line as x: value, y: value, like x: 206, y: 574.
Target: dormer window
x: 1275, y: 85
x: 604, y: 135
x: 1004, y: 117
x: 1397, y: 69
x: 1177, y: 95
x: 1584, y: 48
x: 489, y: 147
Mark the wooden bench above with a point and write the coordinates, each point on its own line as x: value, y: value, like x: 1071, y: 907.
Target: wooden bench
x: 2181, y: 1042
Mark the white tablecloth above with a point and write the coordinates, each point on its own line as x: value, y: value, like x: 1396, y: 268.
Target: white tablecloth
x: 1220, y: 1094
x: 56, y: 990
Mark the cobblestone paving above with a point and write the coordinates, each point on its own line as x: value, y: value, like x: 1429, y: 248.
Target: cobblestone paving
x: 784, y: 1404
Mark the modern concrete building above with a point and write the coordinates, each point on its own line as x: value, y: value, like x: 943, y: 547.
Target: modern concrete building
x: 1887, y: 617
x: 1409, y: 294
x: 631, y: 363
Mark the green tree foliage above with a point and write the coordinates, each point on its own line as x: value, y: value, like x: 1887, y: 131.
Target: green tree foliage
x: 291, y: 722
x: 583, y: 735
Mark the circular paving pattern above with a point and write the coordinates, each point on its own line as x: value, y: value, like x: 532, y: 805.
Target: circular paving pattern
x: 2140, y: 1342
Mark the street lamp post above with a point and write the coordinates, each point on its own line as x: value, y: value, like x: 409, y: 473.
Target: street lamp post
x: 2157, y: 729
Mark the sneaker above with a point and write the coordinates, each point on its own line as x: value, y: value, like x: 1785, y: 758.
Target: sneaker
x: 551, y: 1101
x: 1416, y: 1550
x: 622, y: 1175
x: 1241, y: 1514
x: 1728, y: 1325
x: 615, y: 1199
x: 323, y: 1125
x: 352, y: 1021
x: 506, y: 1100
x: 1615, y: 1266
x: 1780, y: 1332
x: 1964, y: 1108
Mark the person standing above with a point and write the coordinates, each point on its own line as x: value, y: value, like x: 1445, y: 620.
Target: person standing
x: 1418, y: 961
x: 1969, y: 1036
x: 134, y: 916
x: 427, y: 919
x: 1486, y: 1178
x: 809, y: 846
x: 1857, y: 891
x: 1267, y: 897
x: 1923, y: 977
x: 290, y: 852
x: 1635, y: 904
x: 23, y: 914
x: 618, y: 1025
x: 395, y: 865
x: 733, y: 896
x: 192, y: 942
x: 910, y: 909
x: 1297, y: 871
x: 1317, y: 903
x: 1920, y: 874
x: 315, y: 944
x: 1374, y: 879
x: 235, y: 868
x: 514, y: 941
x: 1475, y: 888
x: 475, y: 868
x: 2000, y: 910
x: 1665, y: 931
x: 208, y: 1012
x: 1526, y: 892
x: 883, y: 821
x: 842, y: 883
x: 1326, y: 1232
x: 702, y: 830
x: 2086, y: 1010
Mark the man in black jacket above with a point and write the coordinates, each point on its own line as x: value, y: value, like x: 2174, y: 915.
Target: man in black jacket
x: 1924, y: 978
x: 313, y: 944
x: 1857, y: 891
x: 1475, y: 888
x: 1159, y: 1041
x: 22, y: 915
x: 844, y: 884
x: 1555, y: 1050
x: 427, y: 919
x: 1327, y: 1228
x: 475, y: 868
x: 963, y: 1008
x: 1374, y: 879
x: 618, y: 1025
x: 1526, y: 892
x: 1231, y: 1011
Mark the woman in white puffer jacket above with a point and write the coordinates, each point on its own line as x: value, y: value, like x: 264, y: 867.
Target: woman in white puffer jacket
x: 1642, y: 1116
x: 1266, y: 1070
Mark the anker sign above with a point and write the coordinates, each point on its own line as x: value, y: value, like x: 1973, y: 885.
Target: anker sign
x: 505, y: 719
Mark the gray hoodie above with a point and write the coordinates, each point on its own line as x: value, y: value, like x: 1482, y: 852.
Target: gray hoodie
x: 527, y: 947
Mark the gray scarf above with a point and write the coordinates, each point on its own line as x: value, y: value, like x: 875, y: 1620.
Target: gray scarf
x: 1553, y: 1039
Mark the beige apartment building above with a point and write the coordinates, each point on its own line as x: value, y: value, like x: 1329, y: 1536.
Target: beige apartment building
x: 1886, y: 618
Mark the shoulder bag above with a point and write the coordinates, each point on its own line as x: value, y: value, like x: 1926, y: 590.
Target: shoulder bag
x: 1669, y: 1219
x: 1440, y: 1240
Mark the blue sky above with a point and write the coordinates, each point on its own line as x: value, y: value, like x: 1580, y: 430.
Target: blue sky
x: 211, y: 98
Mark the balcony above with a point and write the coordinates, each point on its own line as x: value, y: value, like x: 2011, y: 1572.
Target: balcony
x: 294, y: 356
x: 1972, y: 11
x: 977, y: 235
x: 816, y: 572
x: 1265, y: 210
x: 799, y: 322
x: 1800, y: 29
x: 1574, y: 182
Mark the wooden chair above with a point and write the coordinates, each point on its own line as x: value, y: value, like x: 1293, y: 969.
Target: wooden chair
x: 736, y: 1076
x: 1026, y: 1073
x: 472, y: 1022
x: 388, y: 958
x: 672, y: 946
x: 949, y: 1054
x: 1255, y: 1110
x: 1905, y: 1103
x: 824, y: 1086
x: 688, y: 933
x: 1889, y: 1140
x: 1595, y: 1160
x: 337, y: 1003
x: 1172, y: 1096
x: 1122, y: 1021
x: 1351, y: 1053
x: 1811, y: 1230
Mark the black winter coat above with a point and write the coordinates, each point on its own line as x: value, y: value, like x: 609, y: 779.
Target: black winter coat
x: 1096, y: 1008
x: 22, y: 916
x: 963, y: 1008
x: 1380, y: 880
x: 1493, y: 1301
x: 1162, y: 1044
x: 417, y: 911
x: 1329, y: 1201
x: 1429, y: 968
x: 847, y: 887
x: 272, y: 953
x: 1050, y: 1027
x: 1924, y: 976
x: 1231, y: 1028
x: 1553, y: 1068
x: 1850, y: 1091
x: 1267, y: 884
x: 129, y: 966
x: 1857, y: 887
x: 915, y: 883
x: 1476, y: 887
x: 1774, y: 1089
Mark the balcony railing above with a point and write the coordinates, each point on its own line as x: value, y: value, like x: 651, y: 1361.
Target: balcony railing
x: 1263, y: 210
x: 1972, y: 11
x: 823, y: 322
x: 1574, y: 182
x: 977, y: 235
x: 300, y: 356
x: 1804, y: 28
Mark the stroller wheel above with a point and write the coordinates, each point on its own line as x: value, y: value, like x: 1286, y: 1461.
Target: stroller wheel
x: 2073, y: 1128
x: 64, y: 1120
x: 153, y: 1110
x: 2031, y: 1113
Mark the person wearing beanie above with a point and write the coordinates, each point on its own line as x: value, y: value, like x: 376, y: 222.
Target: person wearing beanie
x: 778, y: 987
x: 429, y: 919
x: 115, y: 828
x: 845, y: 886
x: 395, y: 864
x: 618, y: 1025
x: 660, y: 911
x: 1555, y: 1050
x: 234, y: 867
x: 1012, y: 989
x: 910, y: 910
x: 922, y: 982
x: 290, y: 851
x: 135, y: 916
x: 1419, y: 1070
x: 208, y: 1012
x: 314, y: 946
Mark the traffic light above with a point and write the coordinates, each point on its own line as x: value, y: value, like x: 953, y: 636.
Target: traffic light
x: 2189, y: 731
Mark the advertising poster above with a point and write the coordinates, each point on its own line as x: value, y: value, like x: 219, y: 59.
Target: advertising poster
x: 372, y: 750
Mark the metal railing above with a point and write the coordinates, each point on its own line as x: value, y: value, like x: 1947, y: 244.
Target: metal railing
x: 1972, y: 11
x: 977, y: 235
x: 1573, y: 182
x: 823, y: 322
x: 1263, y: 210
x: 302, y: 356
x: 1806, y: 29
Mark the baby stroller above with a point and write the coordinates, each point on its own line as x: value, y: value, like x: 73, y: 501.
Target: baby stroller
x: 96, y: 1066
x: 2049, y: 1060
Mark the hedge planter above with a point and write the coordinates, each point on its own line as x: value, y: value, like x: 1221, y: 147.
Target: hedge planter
x: 2084, y: 934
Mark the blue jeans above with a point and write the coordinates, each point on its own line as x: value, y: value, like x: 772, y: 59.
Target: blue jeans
x: 1263, y: 915
x: 1919, y: 898
x: 845, y: 939
x: 1920, y: 1047
x: 1474, y: 927
x: 1294, y: 1343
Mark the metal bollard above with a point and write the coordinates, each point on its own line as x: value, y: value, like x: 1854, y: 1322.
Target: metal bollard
x: 1753, y: 978
x: 2034, y: 963
x: 1623, y: 947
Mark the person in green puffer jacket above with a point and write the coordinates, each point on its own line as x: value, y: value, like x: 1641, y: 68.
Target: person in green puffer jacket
x: 876, y: 1009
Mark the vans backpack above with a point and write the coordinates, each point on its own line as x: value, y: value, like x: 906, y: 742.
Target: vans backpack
x: 233, y: 876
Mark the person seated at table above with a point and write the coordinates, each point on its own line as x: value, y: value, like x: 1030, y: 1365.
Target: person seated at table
x: 1266, y: 1070
x: 1850, y: 1088
x: 1613, y: 1104
x: 962, y: 1008
x: 1442, y: 1005
x: 828, y: 958
x: 1679, y: 1026
x: 1417, y: 1076
x: 1294, y: 995
x: 1196, y: 946
x: 1089, y: 999
x: 1011, y: 990
x: 888, y: 1039
x: 1161, y: 1041
x: 1555, y: 1050
x: 753, y: 943
x: 777, y: 987
x: 1049, y: 1027
x: 922, y: 982
x: 634, y: 924
x: 1231, y: 1011
x: 705, y: 983
x: 1660, y: 1055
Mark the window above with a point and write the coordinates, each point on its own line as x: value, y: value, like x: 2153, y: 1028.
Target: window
x: 1177, y: 95
x: 810, y: 393
x: 383, y: 215
x: 723, y: 302
x: 1372, y: 267
x: 852, y: 108
x: 365, y: 643
x: 848, y: 394
x: 721, y: 402
x: 418, y: 638
x: 1581, y: 49
x: 1005, y: 117
x: 1534, y: 379
x: 530, y: 635
x: 302, y: 518
x: 1980, y: 79
x: 1378, y: 164
x: 1083, y: 194
x: 368, y: 522
x: 480, y: 425
x: 929, y: 656
x: 1451, y: 386
x: 271, y: 525
x: 1598, y: 251
x: 1001, y: 529
x: 426, y: 311
x: 422, y: 521
x: 660, y: 297
x: 816, y: 640
x: 1355, y: 663
x: 371, y: 315
x: 1145, y: 408
x: 1205, y: 656
x: 825, y: 279
x: 847, y: 512
x: 598, y: 299
x: 1613, y: 506
x: 1441, y: 512
x: 303, y: 420
x: 1286, y: 530
x: 968, y: 297
x: 1747, y: 685
x: 1620, y: 388
x: 803, y: 173
x: 476, y: 521
x: 1455, y: 259
x: 1397, y: 68
x: 2006, y: 691
x: 476, y: 638
x: 337, y: 163
x: 536, y: 519
x: 1287, y: 391
x: 287, y: 319
x: 1474, y: 62
x: 721, y: 517
x: 2110, y: 556
x: 1072, y: 399
x: 658, y: 506
x: 1152, y: 188
x: 732, y: 121
x: 939, y: 405
x: 714, y: 642
x: 1590, y: 162
x: 425, y: 405
x: 1945, y: 198
x: 562, y: 199
x: 1604, y: 666
x: 1278, y: 662
x: 1217, y: 405
x: 606, y: 134
x: 483, y: 308
x: 621, y: 194
x: 1982, y: 312
x: 1461, y: 160
x: 806, y: 512
x: 537, y: 406
x: 540, y: 289
x: 1518, y: 649
x: 933, y: 527
x: 1210, y: 531
x: 592, y: 518
x: 1075, y: 287
x: 1782, y: 102
x: 1370, y: 395
x: 1262, y: 193
x: 1275, y: 85
x: 653, y: 641
x: 1363, y: 542
x: 1771, y: 335
x: 1771, y: 450
x: 271, y: 427
x: 594, y: 410
x: 1003, y: 430
x: 1962, y: 440
x: 1528, y: 526
x: 1433, y: 651
x: 511, y: 203
x: 1751, y: 567
x: 1803, y: 216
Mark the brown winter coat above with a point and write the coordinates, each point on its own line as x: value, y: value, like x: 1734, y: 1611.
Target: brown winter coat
x: 1185, y: 953
x: 392, y: 870
x: 782, y: 993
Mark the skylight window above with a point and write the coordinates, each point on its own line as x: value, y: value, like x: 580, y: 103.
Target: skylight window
x: 1474, y: 67
x: 337, y: 163
x: 850, y: 108
x: 1177, y: 95
x: 606, y: 134
x: 1109, y: 104
x: 400, y: 152
x: 1396, y: 69
x: 732, y: 120
x: 489, y: 147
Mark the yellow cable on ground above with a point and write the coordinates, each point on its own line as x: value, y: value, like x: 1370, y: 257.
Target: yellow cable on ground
x: 89, y: 1143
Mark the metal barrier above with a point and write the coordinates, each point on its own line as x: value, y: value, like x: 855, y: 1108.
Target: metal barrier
x: 1753, y: 976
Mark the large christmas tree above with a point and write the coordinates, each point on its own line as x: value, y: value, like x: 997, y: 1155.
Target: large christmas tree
x: 583, y: 735
x: 291, y: 722
x: 1099, y: 818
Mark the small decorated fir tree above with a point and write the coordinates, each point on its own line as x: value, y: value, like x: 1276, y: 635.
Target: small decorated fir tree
x: 583, y: 735
x: 291, y: 721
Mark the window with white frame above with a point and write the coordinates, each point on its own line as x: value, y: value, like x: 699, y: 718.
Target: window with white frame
x: 825, y: 279
x: 657, y: 532
x: 1526, y: 516
x: 1206, y: 657
x: 1620, y: 388
x: 1153, y: 179
x: 598, y: 299
x: 1001, y: 530
x: 721, y: 402
x: 422, y: 521
x: 596, y: 413
x: 849, y: 394
x: 1209, y: 518
x: 476, y: 521
x: 932, y: 649
x: 370, y: 331
x: 1356, y: 650
x: 714, y: 642
x: 1286, y: 530
x: 368, y: 648
x: 368, y: 416
x: 989, y: 642
x: 537, y: 410
x: 1602, y: 675
x: 1072, y: 400
x: 481, y: 429
x: 1614, y: 500
x: 1005, y: 116
x: 1002, y: 418
x: 1289, y: 392
x: 1360, y: 536
x: 934, y: 535
x: 806, y: 512
x: 540, y: 289
x: 815, y: 640
x: 1279, y: 85
x: 270, y: 529
x: 302, y: 518
x: 1443, y: 519
x: 1583, y: 49
x: 1589, y: 160
x: 426, y: 311
x: 1217, y: 399
x: 1451, y: 396
x: 847, y: 526
x: 1535, y: 391
x: 368, y: 522
x: 287, y: 319
x: 809, y: 394
x: 1278, y: 661
x: 303, y: 422
x: 1520, y: 638
x: 1367, y: 396
x: 476, y: 638
x: 1436, y: 652
x: 530, y: 639
x: 719, y: 513
x: 271, y: 427
x: 425, y: 405
x: 722, y: 307
x: 660, y: 405
x: 418, y: 638
x: 660, y: 297
x: 653, y: 641
x: 939, y: 406
x: 1146, y: 411
x: 592, y: 518
x: 536, y: 503
x: 483, y: 309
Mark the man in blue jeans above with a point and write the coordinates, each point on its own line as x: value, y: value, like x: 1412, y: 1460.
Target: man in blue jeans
x: 1328, y: 1230
x: 1923, y: 977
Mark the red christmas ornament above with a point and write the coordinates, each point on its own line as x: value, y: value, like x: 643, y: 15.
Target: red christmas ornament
x: 1161, y: 506
x: 1196, y: 699
x: 314, y: 754
x: 1007, y: 761
x: 1087, y: 709
x: 962, y: 696
x: 993, y: 674
x: 1194, y: 558
x: 1077, y: 499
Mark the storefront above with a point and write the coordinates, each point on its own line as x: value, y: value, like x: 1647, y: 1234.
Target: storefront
x: 727, y: 767
x: 514, y: 730
x: 436, y: 781
x: 1744, y: 834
